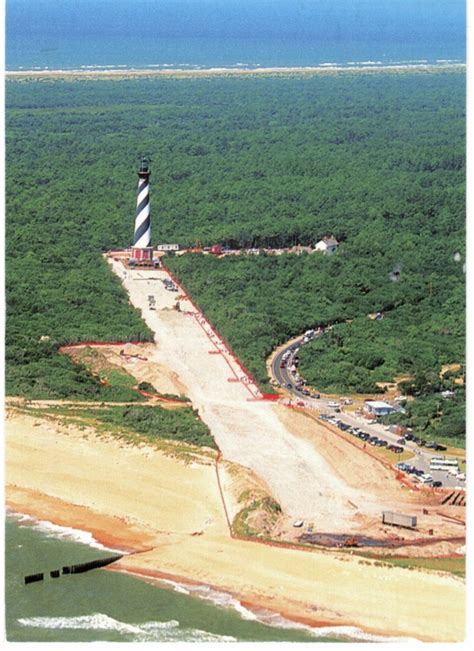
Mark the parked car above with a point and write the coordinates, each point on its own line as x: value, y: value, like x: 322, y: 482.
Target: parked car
x: 409, y: 437
x: 401, y: 441
x: 440, y: 448
x: 437, y: 484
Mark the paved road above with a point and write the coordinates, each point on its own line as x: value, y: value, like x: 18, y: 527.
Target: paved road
x: 286, y: 379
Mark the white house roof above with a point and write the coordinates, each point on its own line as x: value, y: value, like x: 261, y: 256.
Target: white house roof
x: 330, y: 241
x: 378, y: 404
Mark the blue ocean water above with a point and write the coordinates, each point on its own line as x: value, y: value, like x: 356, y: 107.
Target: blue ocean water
x: 82, y: 34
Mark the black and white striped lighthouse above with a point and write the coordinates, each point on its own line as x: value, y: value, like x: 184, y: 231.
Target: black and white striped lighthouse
x: 142, y: 249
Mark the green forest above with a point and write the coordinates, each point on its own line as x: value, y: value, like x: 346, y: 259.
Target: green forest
x: 377, y: 160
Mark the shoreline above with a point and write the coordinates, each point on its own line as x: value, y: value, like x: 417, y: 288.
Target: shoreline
x: 178, y: 532
x: 256, y: 606
x: 222, y: 71
x: 261, y: 611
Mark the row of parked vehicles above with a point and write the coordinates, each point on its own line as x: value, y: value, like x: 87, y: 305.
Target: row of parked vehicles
x: 300, y: 384
x: 430, y: 445
x: 363, y: 436
x: 419, y: 475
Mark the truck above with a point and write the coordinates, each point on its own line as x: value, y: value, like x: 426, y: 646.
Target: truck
x: 399, y: 519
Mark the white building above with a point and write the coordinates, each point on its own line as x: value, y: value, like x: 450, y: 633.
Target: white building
x: 167, y: 247
x: 327, y: 245
x: 378, y: 408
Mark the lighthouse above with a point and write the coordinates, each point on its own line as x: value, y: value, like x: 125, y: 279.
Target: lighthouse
x: 141, y: 248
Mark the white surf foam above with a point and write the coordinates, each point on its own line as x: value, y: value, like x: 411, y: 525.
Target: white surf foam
x: 96, y: 622
x: 225, y: 600
x: 62, y: 533
x: 151, y: 631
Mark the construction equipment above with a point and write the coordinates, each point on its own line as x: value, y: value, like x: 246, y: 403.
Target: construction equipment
x: 399, y: 519
x: 351, y: 542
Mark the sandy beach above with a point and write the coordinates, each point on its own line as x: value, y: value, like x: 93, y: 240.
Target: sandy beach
x: 122, y: 73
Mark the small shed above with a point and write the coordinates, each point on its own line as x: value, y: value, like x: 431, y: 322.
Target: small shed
x: 327, y: 245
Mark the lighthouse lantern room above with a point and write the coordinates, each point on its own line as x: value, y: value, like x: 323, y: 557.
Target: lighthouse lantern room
x: 142, y: 251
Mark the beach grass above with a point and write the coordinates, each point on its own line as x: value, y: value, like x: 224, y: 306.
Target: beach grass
x: 456, y: 566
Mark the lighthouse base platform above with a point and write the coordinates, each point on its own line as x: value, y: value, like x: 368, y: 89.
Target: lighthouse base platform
x: 142, y: 254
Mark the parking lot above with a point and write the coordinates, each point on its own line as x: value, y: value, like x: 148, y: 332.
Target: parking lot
x: 419, y: 468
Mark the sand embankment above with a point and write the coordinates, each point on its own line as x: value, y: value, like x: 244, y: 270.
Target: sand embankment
x: 136, y: 497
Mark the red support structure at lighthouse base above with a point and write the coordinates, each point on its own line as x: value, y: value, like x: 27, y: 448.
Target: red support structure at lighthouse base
x: 145, y: 253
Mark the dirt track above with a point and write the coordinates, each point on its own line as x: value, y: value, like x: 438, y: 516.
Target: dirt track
x: 313, y: 475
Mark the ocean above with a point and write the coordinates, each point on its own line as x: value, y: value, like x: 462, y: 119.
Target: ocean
x: 106, y: 606
x: 196, y: 34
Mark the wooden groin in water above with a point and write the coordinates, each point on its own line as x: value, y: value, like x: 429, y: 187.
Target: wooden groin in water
x: 78, y: 568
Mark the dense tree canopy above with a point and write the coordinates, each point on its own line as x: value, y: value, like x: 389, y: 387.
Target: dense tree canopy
x: 376, y: 160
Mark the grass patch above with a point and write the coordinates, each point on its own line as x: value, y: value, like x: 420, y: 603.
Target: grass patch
x: 456, y: 566
x: 151, y: 423
x: 392, y: 457
x: 256, y: 518
x: 118, y: 378
x: 181, y: 424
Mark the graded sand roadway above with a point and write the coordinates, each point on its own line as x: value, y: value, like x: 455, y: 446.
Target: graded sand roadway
x: 311, y: 473
x: 136, y: 498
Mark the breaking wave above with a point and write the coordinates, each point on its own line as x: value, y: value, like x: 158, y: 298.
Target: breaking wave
x: 268, y: 618
x: 137, y: 632
x: 62, y: 533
